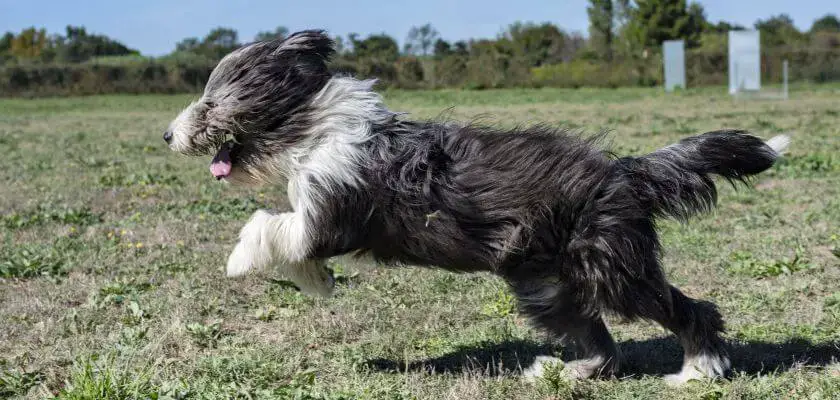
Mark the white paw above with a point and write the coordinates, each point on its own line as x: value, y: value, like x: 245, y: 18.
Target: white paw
x: 537, y: 369
x: 253, y: 249
x: 312, y: 277
x: 684, y: 376
x: 239, y: 261
x: 703, y: 366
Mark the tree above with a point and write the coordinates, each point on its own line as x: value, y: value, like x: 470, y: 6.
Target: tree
x: 222, y: 40
x: 29, y: 43
x: 6, y: 42
x: 778, y: 30
x: 379, y: 46
x: 340, y: 46
x: 214, y: 45
x: 725, y: 27
x: 279, y: 33
x: 190, y: 44
x: 78, y: 45
x: 420, y: 39
x: 827, y: 23
x: 442, y: 48
x: 462, y: 48
x: 654, y: 21
x: 601, y: 23
x: 537, y: 44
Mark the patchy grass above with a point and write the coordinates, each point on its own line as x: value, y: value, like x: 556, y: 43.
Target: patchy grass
x: 29, y: 261
x: 111, y: 266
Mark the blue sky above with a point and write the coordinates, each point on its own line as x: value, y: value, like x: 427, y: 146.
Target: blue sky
x: 153, y: 26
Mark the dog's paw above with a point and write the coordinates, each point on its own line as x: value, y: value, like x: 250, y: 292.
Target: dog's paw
x: 240, y: 261
x: 541, y: 364
x: 252, y: 251
x: 704, y: 366
x: 312, y: 277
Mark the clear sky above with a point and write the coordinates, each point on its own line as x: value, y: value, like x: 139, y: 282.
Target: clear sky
x: 154, y: 26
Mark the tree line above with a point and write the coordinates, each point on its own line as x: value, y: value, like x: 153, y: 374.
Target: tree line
x: 622, y: 49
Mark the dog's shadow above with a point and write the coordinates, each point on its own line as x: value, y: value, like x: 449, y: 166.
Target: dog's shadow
x: 639, y: 358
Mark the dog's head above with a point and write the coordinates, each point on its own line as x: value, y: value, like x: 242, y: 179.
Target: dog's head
x: 254, y: 107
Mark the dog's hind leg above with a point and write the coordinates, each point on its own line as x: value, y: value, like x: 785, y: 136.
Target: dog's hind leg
x: 698, y: 326
x: 552, y: 306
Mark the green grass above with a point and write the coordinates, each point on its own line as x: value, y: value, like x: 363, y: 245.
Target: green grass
x: 111, y: 266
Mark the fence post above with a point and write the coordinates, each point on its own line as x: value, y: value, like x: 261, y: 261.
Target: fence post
x: 785, y: 77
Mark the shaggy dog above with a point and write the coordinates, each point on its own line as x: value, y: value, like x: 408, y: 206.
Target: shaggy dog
x: 570, y: 228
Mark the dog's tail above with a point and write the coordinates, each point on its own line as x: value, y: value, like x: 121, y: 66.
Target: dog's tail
x: 676, y: 179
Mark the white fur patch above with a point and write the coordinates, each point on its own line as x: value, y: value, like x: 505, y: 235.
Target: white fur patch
x: 703, y: 366
x: 537, y: 369
x: 182, y: 128
x: 779, y: 143
x: 283, y: 239
x: 330, y: 156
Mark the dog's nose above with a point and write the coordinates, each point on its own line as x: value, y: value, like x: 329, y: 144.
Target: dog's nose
x: 167, y: 136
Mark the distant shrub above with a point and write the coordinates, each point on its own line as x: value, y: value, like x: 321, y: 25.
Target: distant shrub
x: 483, y: 67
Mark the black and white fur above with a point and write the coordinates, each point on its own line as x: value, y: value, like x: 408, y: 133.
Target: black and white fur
x: 568, y: 226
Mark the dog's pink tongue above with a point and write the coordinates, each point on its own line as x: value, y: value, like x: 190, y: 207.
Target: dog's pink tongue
x: 220, y: 166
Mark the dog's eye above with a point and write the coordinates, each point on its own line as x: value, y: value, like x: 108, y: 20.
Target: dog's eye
x: 210, y: 104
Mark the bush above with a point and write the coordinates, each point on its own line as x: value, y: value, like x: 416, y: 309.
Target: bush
x: 484, y: 67
x: 590, y: 74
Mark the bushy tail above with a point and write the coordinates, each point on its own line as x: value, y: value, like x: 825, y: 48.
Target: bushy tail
x: 676, y: 180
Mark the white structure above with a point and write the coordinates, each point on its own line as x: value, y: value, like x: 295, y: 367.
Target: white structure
x: 673, y: 52
x: 744, y: 61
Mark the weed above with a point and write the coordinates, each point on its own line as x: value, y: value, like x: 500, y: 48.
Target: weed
x: 94, y: 378
x: 17, y: 383
x: 44, y: 214
x: 743, y: 263
x: 119, y: 179
x: 205, y: 335
x: 502, y: 305
x: 30, y: 261
x: 229, y: 208
x: 118, y: 291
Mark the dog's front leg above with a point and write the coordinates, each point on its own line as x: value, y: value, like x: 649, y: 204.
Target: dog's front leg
x: 281, y: 239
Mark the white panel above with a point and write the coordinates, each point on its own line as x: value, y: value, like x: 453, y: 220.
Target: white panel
x: 674, y: 60
x: 744, y: 61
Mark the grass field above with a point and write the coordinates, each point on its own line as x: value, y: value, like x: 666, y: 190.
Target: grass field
x: 111, y: 266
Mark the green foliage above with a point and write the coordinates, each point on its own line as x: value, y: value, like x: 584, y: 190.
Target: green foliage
x: 654, y: 21
x: 45, y: 214
x: 591, y: 74
x: 827, y: 23
x: 744, y: 263
x: 118, y: 291
x: 809, y: 164
x: 778, y: 31
x: 277, y: 34
x: 229, y: 208
x: 601, y: 26
x: 375, y: 47
x: 214, y: 45
x: 420, y: 39
x: 626, y: 34
x: 78, y: 45
x: 118, y: 179
x: 17, y: 383
x: 502, y: 305
x: 205, y: 335
x: 30, y: 261
x: 94, y: 378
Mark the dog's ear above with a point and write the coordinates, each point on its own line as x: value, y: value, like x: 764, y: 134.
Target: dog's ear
x: 313, y: 43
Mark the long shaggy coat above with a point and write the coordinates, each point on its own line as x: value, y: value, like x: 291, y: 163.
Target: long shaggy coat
x: 569, y: 226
